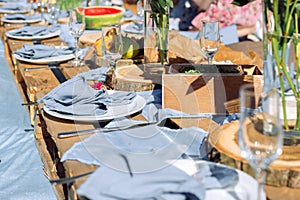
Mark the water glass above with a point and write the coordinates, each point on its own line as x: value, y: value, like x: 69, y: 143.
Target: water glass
x: 112, y: 46
x: 54, y: 12
x: 77, y: 28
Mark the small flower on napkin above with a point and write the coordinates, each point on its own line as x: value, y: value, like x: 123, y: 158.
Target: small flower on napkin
x: 42, y: 51
x: 77, y: 97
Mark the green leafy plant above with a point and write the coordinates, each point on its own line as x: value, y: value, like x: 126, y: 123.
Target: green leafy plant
x: 160, y: 15
x: 281, y: 21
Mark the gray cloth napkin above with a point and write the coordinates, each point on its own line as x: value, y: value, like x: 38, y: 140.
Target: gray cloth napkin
x: 34, y: 30
x: 21, y: 17
x: 42, y: 51
x: 129, y: 15
x: 14, y: 7
x: 148, y: 141
x: 77, y: 97
x: 167, y: 183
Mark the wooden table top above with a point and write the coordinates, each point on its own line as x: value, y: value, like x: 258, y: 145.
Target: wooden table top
x: 34, y: 84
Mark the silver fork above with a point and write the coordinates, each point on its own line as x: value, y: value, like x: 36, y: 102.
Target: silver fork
x: 92, y: 131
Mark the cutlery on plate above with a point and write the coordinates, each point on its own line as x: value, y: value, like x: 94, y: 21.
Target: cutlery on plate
x: 91, y: 131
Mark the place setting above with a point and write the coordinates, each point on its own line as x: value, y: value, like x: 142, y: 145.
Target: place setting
x: 134, y: 27
x: 20, y: 18
x: 34, y: 32
x: 44, y: 54
x: 134, y: 22
x: 81, y: 99
x: 151, y: 156
x: 14, y: 8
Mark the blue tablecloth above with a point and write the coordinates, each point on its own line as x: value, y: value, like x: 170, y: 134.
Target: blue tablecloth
x: 21, y: 168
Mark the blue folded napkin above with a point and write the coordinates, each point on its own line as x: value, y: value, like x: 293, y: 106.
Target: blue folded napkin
x: 42, y: 51
x: 148, y: 141
x: 34, y: 30
x: 168, y: 183
x: 13, y: 7
x: 22, y: 17
x: 77, y: 97
x: 130, y: 16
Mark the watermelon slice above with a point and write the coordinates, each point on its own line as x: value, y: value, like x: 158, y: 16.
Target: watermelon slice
x: 97, y: 16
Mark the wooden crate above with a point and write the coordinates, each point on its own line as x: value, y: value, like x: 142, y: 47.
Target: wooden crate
x: 210, y: 92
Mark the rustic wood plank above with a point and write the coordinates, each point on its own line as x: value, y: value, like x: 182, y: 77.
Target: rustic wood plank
x: 49, y: 163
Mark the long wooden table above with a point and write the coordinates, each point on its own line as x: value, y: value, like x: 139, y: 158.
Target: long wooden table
x: 34, y: 84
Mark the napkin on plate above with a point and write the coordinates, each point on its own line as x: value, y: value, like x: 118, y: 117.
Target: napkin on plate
x: 42, y: 51
x: 148, y: 141
x: 21, y: 17
x: 133, y: 27
x: 13, y: 7
x: 34, y: 30
x: 77, y: 97
x: 168, y: 183
x: 130, y: 16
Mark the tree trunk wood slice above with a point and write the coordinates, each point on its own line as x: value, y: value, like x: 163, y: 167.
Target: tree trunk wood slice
x: 285, y: 171
x: 136, y: 78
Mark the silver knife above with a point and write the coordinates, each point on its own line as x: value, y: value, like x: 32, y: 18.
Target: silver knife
x: 46, y: 67
x: 63, y: 135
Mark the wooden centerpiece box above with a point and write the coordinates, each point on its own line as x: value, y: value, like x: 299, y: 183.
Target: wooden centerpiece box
x: 203, y: 88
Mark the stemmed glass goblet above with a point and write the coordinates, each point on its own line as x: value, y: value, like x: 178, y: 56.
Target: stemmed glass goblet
x: 209, y: 39
x: 260, y: 133
x: 76, y: 27
x: 54, y: 10
x: 112, y: 46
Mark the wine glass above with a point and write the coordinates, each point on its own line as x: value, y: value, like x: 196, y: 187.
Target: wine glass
x: 54, y: 11
x: 112, y: 46
x: 260, y: 133
x: 210, y: 39
x: 76, y: 27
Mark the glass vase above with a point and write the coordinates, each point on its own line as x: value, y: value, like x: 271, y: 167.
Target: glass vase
x: 156, y: 36
x: 282, y: 53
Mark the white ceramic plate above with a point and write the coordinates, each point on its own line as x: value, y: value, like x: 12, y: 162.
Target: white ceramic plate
x: 112, y: 112
x: 37, y: 37
x: 27, y: 21
x: 56, y: 59
x: 244, y: 188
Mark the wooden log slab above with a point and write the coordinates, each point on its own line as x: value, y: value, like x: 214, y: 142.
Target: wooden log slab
x: 137, y: 78
x: 282, y: 172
